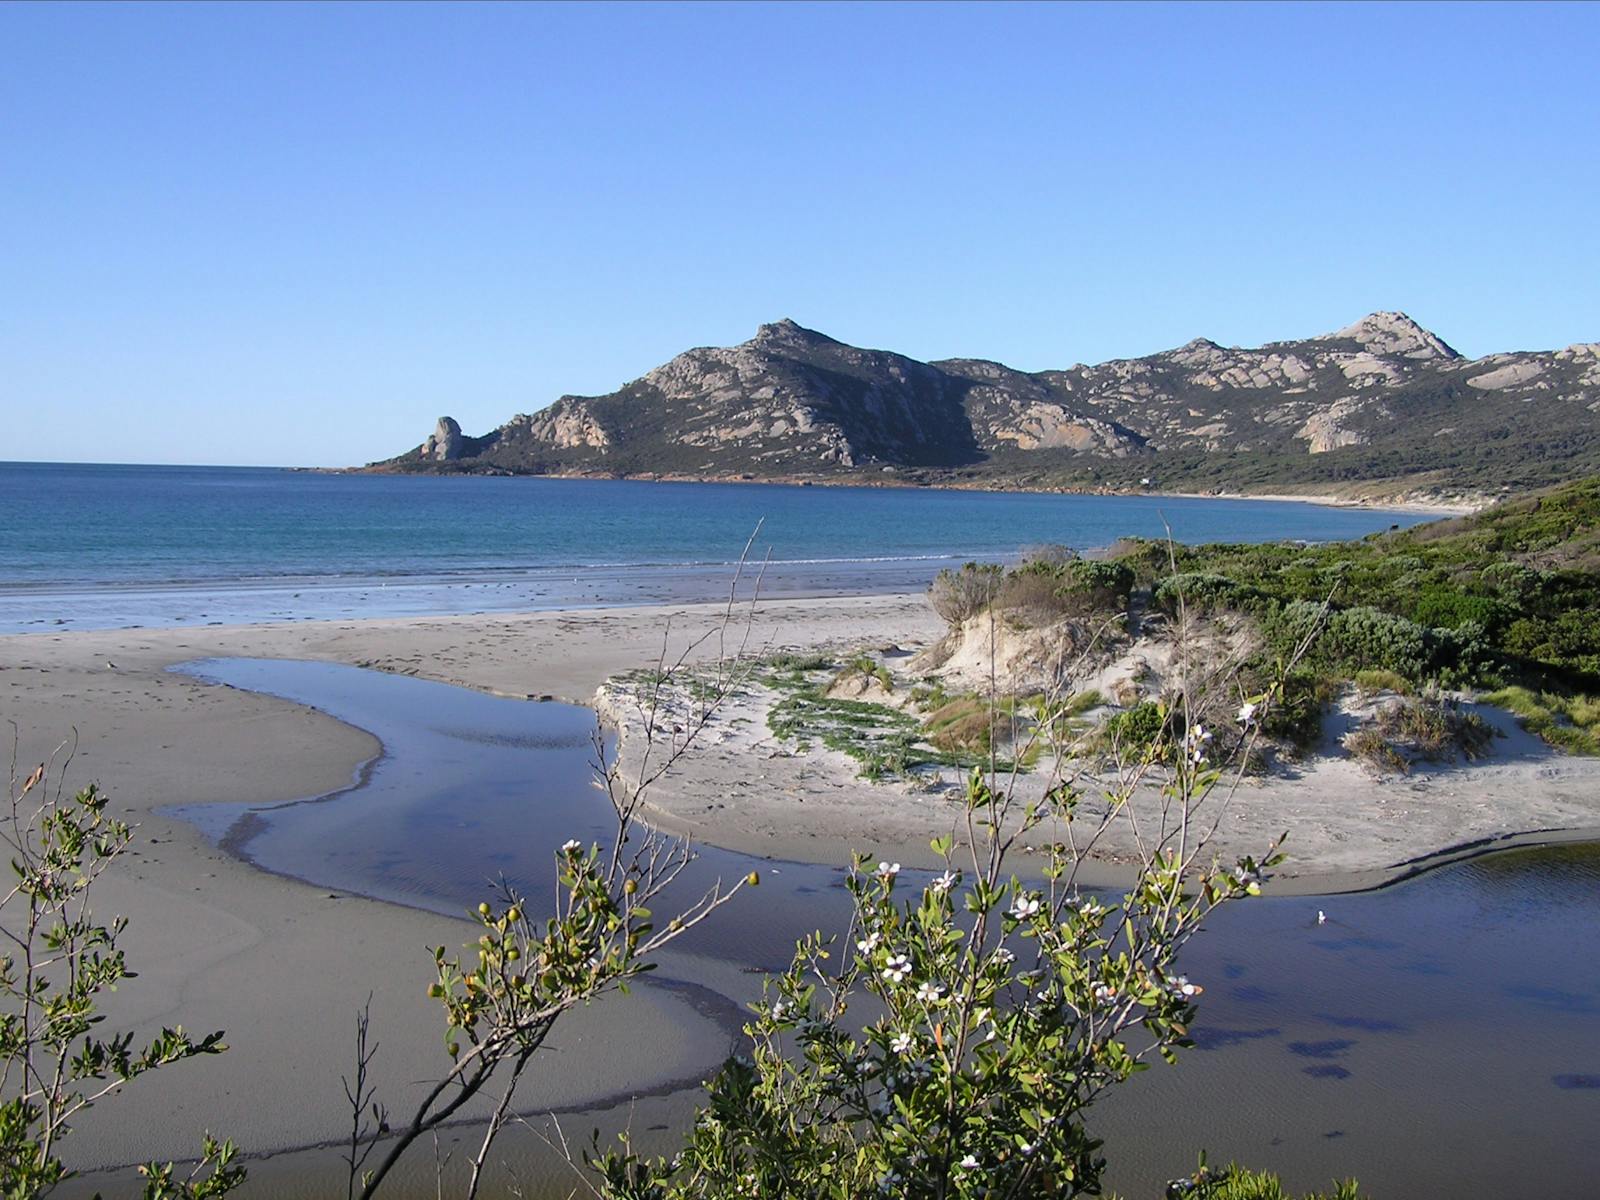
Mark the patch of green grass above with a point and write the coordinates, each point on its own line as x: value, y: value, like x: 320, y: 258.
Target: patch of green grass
x: 1570, y: 723
x: 867, y: 667
x: 1082, y: 702
x: 798, y: 662
x: 1241, y: 1183
x: 887, y: 742
x: 1378, y: 680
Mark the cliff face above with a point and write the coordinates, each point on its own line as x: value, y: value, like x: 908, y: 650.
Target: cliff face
x: 1380, y: 399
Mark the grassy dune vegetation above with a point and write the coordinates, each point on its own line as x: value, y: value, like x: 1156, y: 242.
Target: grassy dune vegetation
x: 1502, y: 604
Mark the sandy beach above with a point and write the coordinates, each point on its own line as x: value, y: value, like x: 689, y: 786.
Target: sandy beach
x: 283, y: 966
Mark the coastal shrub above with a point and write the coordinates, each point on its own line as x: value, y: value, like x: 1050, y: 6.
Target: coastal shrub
x: 1204, y: 591
x: 1032, y: 598
x: 1368, y: 745
x: 1239, y: 1183
x: 1447, y: 607
x: 1137, y: 734
x: 58, y: 962
x: 1507, y: 595
x: 959, y: 595
x: 1296, y: 715
x: 954, y: 1044
x: 1435, y: 728
x: 1364, y: 638
x: 1106, y: 583
x: 1051, y: 554
x: 1511, y: 581
x: 864, y: 666
x: 1040, y: 591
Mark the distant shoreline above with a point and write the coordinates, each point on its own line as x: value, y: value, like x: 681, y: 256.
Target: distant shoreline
x: 1433, y: 505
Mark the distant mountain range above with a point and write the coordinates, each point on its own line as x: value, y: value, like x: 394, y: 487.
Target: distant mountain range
x: 1381, y: 408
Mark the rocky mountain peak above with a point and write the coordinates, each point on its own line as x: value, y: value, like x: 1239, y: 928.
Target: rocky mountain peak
x: 1393, y: 333
x: 790, y: 332
x: 1381, y: 396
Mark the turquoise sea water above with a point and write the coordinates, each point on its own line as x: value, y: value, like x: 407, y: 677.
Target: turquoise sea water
x: 99, y: 546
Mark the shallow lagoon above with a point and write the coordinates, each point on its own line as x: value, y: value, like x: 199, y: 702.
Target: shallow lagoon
x: 1439, y: 1037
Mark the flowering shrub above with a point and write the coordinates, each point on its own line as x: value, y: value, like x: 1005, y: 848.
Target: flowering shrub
x: 992, y: 1010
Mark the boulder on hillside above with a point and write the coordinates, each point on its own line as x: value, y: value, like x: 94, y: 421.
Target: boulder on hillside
x: 445, y: 443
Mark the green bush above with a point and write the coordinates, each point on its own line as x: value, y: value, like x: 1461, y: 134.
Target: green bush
x: 958, y: 596
x: 1369, y: 746
x: 1240, y: 1183
x: 1204, y: 591
x: 1296, y: 715
x: 1138, y: 733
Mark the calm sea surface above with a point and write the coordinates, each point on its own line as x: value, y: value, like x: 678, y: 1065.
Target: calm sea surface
x: 1439, y: 1038
x: 102, y: 546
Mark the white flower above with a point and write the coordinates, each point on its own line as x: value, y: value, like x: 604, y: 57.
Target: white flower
x: 1104, y: 992
x: 888, y: 870
x: 1025, y: 907
x: 901, y: 1043
x: 945, y: 882
x: 778, y: 1009
x: 1091, y: 908
x: 1180, y: 986
x: 969, y: 1163
x: 1003, y: 956
x: 897, y: 968
x: 868, y: 944
x: 929, y: 993
x: 571, y: 846
x: 1247, y: 712
x: 1247, y: 879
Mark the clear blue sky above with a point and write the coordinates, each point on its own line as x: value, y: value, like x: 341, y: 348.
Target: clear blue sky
x: 297, y: 234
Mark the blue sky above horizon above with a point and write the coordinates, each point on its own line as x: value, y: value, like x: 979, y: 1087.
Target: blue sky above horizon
x: 297, y: 234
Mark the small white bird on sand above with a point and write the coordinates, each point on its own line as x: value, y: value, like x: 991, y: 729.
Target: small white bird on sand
x: 1322, y: 917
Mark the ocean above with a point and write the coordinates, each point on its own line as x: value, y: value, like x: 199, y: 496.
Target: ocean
x: 106, y: 546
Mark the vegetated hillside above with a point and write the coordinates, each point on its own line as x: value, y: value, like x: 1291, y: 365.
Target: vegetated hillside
x: 1381, y: 407
x: 1501, y: 602
x: 1509, y: 594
